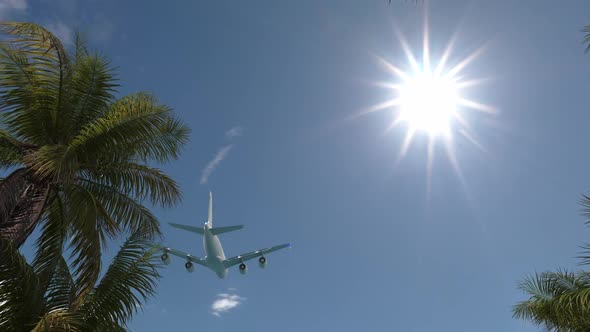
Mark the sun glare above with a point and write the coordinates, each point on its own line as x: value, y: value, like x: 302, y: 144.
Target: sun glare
x: 429, y: 100
x: 428, y: 103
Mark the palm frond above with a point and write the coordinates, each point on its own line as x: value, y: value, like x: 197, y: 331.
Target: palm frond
x: 90, y: 92
x: 52, y: 163
x: 129, y: 281
x: 586, y: 41
x: 80, y: 46
x: 61, y: 291
x: 11, y: 150
x: 85, y: 239
x: 126, y: 211
x: 50, y: 243
x: 558, y: 301
x: 22, y: 101
x: 538, y: 286
x: 33, y: 37
x: 585, y: 202
x: 60, y: 320
x: 43, y: 54
x: 136, y: 125
x: 20, y: 298
x: 136, y: 180
x: 163, y: 145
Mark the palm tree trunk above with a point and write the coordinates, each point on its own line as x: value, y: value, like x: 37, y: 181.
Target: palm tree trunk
x: 21, y: 205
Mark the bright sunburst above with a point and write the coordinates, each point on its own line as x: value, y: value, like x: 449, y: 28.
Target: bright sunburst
x: 429, y: 100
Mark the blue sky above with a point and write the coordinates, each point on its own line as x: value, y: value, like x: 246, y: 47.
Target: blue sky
x: 374, y: 249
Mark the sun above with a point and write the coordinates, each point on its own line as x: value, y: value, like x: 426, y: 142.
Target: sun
x: 428, y: 103
x: 429, y: 100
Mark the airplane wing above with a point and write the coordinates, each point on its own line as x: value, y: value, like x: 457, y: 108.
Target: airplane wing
x: 253, y: 254
x: 185, y: 255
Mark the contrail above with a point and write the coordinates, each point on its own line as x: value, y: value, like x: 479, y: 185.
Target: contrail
x: 219, y: 156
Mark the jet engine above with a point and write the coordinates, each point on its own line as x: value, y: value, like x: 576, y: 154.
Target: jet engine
x: 189, y: 266
x: 262, y: 262
x: 243, y: 268
x: 165, y: 258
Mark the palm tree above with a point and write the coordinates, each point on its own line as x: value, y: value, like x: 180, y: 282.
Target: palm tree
x: 79, y: 157
x: 127, y: 284
x: 586, y: 41
x: 559, y: 301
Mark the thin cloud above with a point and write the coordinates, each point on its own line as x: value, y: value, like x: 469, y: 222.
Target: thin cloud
x: 234, y: 132
x: 8, y: 7
x: 225, y: 302
x: 62, y: 31
x: 221, y: 153
x: 212, y: 165
x: 101, y: 30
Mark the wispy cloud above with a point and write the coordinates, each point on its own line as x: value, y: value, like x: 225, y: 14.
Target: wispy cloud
x: 225, y: 302
x: 212, y: 165
x: 62, y: 31
x: 221, y: 153
x: 234, y: 132
x: 9, y: 7
x: 101, y: 30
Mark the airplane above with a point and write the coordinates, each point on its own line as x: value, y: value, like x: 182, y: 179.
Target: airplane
x: 214, y: 256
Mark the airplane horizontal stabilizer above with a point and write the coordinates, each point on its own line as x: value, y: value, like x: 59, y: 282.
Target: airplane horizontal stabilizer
x: 221, y: 230
x: 193, y: 229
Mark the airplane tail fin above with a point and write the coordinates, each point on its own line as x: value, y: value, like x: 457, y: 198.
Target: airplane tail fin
x: 210, y: 217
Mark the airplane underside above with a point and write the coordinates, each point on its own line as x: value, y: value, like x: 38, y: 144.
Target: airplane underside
x: 215, y: 257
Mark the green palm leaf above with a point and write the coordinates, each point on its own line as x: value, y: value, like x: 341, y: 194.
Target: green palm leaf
x: 20, y: 300
x: 135, y: 125
x: 130, y: 214
x: 136, y: 179
x: 586, y: 30
x: 32, y: 108
x: 129, y: 281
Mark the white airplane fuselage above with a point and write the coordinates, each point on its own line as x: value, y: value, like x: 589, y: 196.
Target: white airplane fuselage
x: 214, y: 255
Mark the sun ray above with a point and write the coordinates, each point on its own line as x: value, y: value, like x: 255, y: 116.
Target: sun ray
x: 376, y: 108
x: 461, y: 119
x: 455, y: 164
x: 445, y: 57
x: 461, y: 65
x: 470, y: 83
x: 429, y: 163
x: 425, y: 45
x: 394, y: 123
x: 389, y: 66
x: 472, y: 140
x: 476, y: 106
x: 409, y: 55
x: 388, y: 85
x: 407, y: 142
